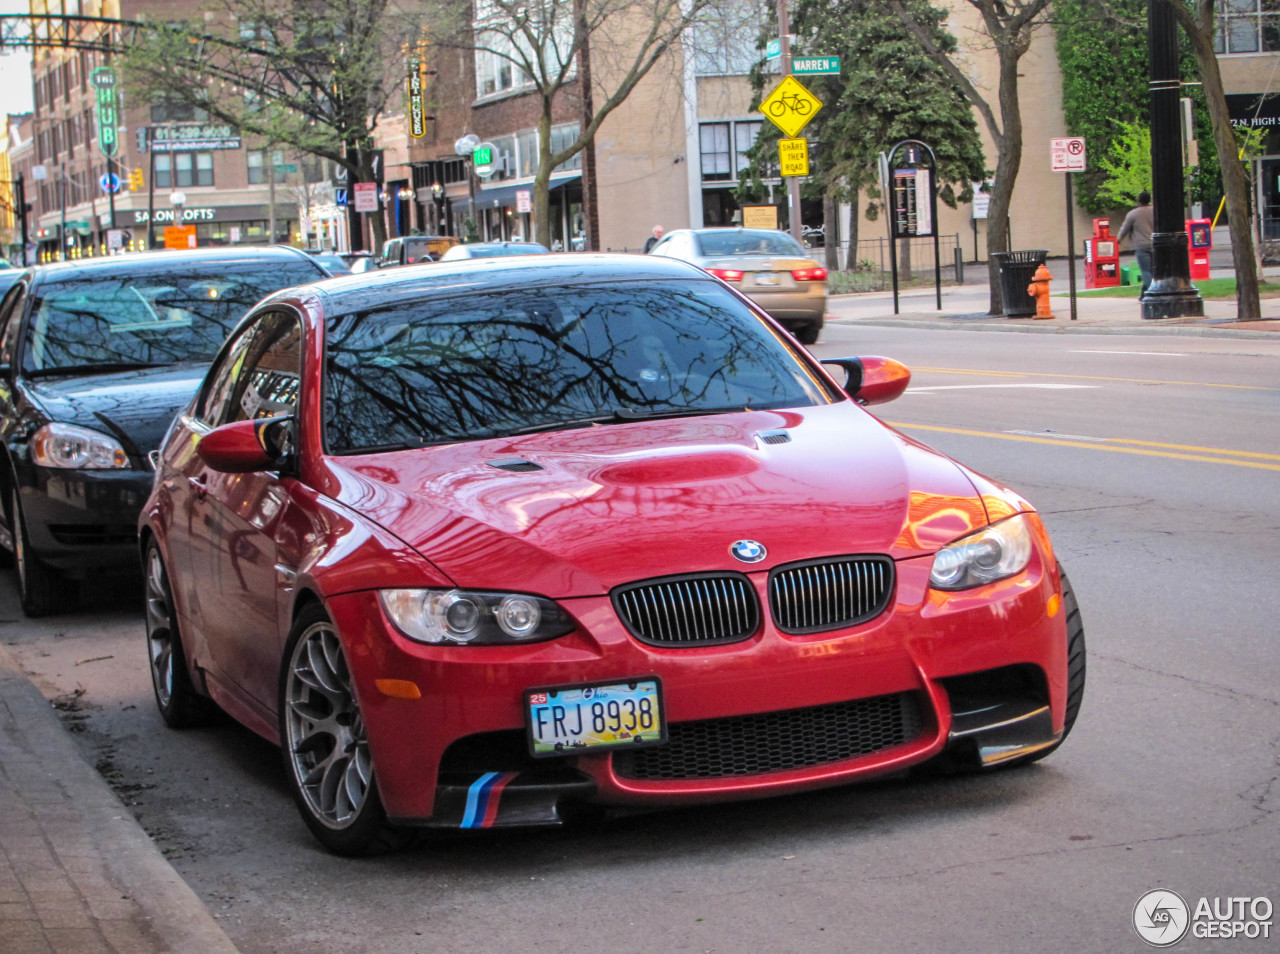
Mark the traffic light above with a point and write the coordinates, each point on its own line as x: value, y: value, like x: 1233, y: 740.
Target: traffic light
x: 135, y: 180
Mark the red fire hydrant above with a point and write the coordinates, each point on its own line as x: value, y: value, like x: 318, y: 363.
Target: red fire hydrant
x: 1039, y: 290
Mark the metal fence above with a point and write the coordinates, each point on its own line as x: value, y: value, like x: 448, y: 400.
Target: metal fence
x: 868, y: 269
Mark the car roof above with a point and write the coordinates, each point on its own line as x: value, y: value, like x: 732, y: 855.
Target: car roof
x: 169, y: 260
x: 387, y: 287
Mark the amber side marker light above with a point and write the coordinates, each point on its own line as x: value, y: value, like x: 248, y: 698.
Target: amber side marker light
x: 1051, y: 607
x: 400, y: 688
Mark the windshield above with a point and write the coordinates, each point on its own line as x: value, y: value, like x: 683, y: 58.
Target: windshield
x: 749, y: 242
x: 131, y: 319
x: 519, y: 360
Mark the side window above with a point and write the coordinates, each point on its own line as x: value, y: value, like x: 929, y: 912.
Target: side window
x: 269, y: 382
x: 11, y: 323
x: 220, y: 381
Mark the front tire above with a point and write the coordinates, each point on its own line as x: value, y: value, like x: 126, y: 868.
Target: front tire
x: 180, y: 705
x: 41, y: 590
x: 326, y: 751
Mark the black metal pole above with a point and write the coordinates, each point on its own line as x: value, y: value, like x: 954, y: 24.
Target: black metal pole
x: 1071, y: 248
x: 1171, y: 294
x: 151, y: 188
x: 21, y: 195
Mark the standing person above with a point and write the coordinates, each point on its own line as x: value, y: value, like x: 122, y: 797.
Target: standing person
x: 1137, y: 227
x: 653, y: 239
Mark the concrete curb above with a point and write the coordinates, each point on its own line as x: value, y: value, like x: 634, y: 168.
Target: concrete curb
x: 86, y: 873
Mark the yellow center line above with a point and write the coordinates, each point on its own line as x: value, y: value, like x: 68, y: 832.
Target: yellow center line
x: 1106, y: 445
x: 1092, y: 377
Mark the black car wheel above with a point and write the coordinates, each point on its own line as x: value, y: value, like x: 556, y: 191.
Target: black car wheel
x: 40, y: 588
x: 808, y: 335
x: 326, y: 752
x: 181, y: 706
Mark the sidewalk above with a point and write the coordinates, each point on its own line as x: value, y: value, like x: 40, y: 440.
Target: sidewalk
x: 965, y: 307
x: 78, y: 875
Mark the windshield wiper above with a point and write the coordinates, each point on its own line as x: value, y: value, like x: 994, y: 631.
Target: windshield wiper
x: 624, y: 415
x: 76, y: 369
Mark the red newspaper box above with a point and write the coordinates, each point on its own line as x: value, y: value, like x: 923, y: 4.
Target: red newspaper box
x: 1199, y: 242
x: 1101, y: 257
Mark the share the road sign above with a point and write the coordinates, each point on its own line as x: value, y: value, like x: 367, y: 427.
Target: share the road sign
x: 793, y: 157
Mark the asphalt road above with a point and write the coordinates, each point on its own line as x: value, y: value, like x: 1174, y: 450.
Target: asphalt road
x: 1156, y: 461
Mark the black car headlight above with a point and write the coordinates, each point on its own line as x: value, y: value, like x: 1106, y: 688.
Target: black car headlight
x: 76, y: 448
x: 464, y: 617
x: 991, y: 554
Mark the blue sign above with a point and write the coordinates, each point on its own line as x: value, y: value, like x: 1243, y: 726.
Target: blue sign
x: 340, y: 197
x: 110, y: 182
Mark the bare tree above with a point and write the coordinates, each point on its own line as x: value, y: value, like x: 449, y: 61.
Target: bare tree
x: 1198, y: 24
x: 1010, y: 25
x: 315, y: 75
x: 594, y: 50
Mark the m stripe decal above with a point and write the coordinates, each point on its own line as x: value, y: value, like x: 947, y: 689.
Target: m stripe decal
x: 483, y: 798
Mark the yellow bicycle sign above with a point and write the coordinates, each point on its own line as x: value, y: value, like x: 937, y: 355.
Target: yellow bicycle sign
x: 790, y: 106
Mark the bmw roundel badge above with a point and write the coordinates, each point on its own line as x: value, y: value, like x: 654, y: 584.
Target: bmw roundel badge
x: 748, y: 551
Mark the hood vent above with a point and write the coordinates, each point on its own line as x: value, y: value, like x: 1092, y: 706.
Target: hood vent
x: 516, y: 464
x: 775, y: 437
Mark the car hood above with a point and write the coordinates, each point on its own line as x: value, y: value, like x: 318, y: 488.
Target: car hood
x: 135, y: 407
x: 586, y: 510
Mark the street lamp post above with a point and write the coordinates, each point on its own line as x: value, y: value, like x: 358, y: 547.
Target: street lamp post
x: 1171, y: 294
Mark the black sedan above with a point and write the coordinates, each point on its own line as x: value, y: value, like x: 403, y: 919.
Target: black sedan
x: 96, y: 356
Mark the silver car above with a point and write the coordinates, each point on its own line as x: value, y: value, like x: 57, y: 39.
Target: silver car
x: 769, y: 267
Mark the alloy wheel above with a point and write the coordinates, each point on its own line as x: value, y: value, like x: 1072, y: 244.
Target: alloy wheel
x: 160, y: 629
x: 325, y: 741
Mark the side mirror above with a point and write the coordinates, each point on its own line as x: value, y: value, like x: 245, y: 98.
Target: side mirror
x: 873, y: 380
x: 247, y: 446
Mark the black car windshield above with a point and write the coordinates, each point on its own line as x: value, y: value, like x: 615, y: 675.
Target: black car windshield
x: 749, y: 242
x: 521, y: 360
x: 132, y: 318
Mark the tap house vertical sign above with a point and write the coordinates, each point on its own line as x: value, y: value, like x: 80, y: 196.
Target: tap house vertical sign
x: 417, y: 100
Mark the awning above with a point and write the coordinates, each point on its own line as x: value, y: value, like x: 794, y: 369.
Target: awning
x: 497, y: 197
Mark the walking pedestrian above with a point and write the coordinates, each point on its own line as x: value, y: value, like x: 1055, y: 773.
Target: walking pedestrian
x: 1137, y: 227
x: 653, y: 239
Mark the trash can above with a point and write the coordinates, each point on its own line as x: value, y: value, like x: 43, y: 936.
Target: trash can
x: 1017, y: 269
x: 1130, y: 275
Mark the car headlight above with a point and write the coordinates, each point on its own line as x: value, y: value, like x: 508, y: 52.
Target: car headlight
x: 463, y: 617
x: 77, y: 448
x: 991, y: 554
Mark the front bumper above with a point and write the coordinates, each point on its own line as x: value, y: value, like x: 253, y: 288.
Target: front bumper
x: 456, y: 756
x: 81, y: 521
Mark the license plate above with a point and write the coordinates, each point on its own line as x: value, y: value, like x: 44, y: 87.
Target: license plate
x: 766, y: 278
x: 578, y: 719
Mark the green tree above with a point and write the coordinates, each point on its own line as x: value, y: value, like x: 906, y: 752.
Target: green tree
x: 591, y: 53
x: 1102, y: 55
x: 888, y: 90
x: 1008, y: 26
x: 317, y: 76
x: 1199, y: 22
x: 1127, y: 166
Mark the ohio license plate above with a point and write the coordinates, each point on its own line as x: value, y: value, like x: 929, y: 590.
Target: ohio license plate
x: 577, y: 719
x: 766, y: 278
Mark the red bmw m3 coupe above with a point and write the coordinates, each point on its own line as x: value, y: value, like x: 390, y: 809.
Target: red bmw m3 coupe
x: 479, y: 542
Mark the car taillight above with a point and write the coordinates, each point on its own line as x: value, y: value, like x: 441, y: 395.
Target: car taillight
x: 727, y: 274
x: 809, y: 274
